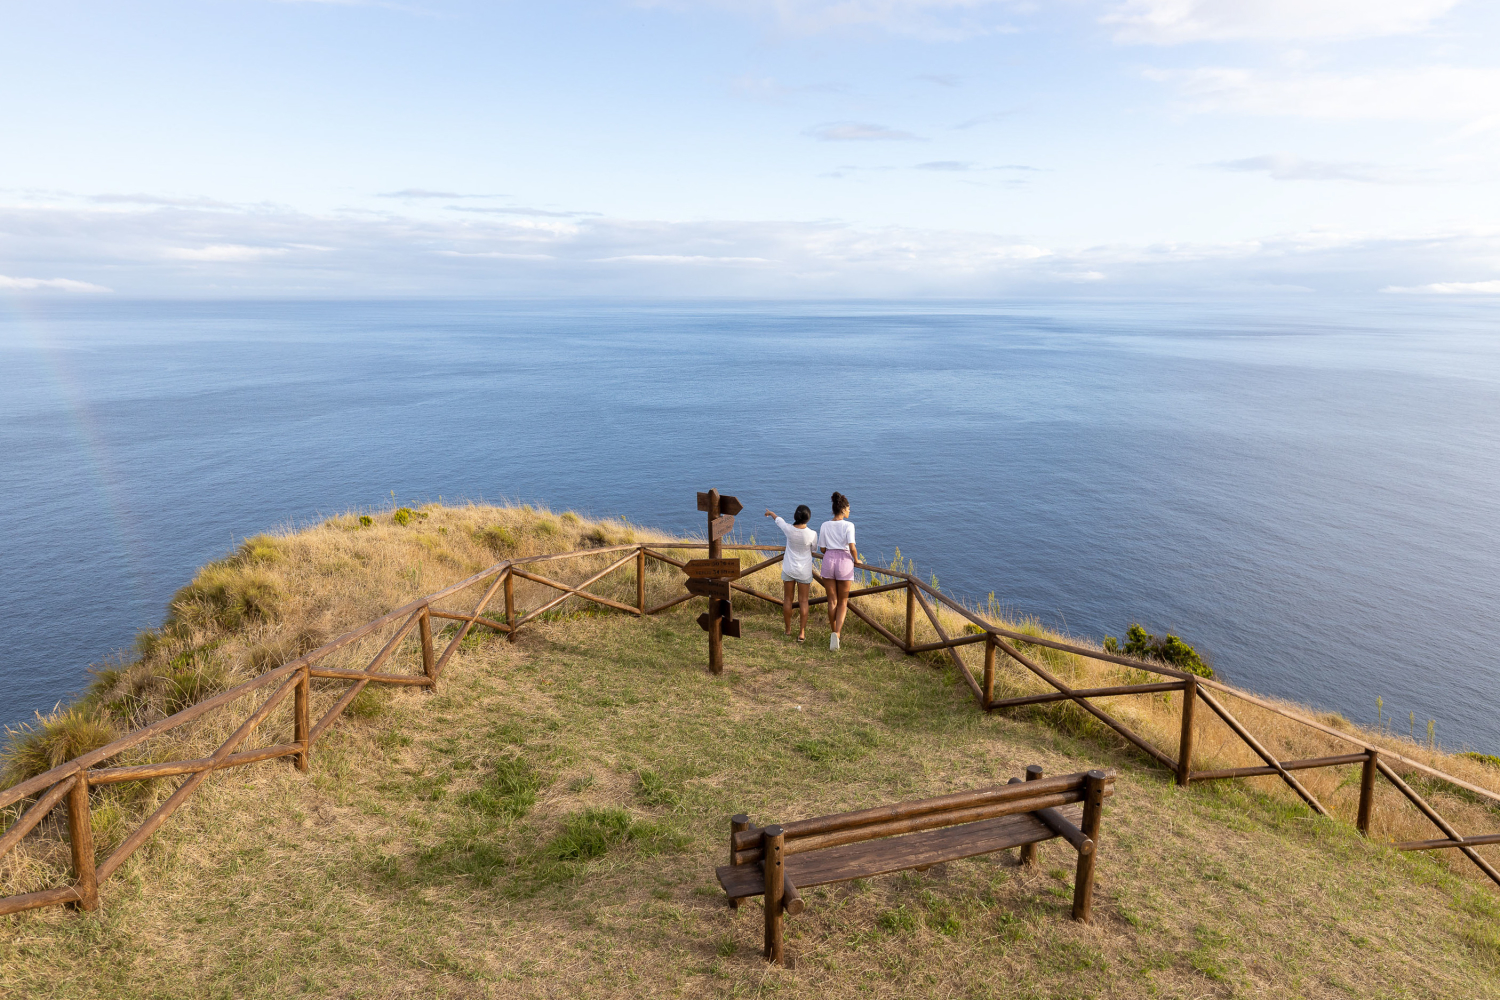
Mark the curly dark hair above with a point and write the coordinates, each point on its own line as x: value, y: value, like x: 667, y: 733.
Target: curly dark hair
x: 840, y: 503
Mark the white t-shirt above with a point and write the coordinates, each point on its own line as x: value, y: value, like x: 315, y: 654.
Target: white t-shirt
x: 836, y: 535
x: 799, y: 544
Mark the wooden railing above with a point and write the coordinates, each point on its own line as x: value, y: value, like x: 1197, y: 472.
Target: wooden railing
x: 295, y: 680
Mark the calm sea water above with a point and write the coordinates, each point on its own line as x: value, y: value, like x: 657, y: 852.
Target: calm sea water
x: 1310, y: 496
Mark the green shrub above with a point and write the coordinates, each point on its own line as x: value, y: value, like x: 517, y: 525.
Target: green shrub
x: 365, y: 520
x: 33, y: 748
x: 403, y: 515
x: 545, y: 527
x: 1168, y: 649
x: 1483, y: 758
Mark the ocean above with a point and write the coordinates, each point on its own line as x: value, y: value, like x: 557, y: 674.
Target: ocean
x: 1306, y: 491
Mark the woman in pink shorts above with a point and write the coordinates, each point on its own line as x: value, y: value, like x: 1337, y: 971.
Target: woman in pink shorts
x: 836, y: 540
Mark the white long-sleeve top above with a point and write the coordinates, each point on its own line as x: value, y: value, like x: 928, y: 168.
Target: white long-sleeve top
x: 799, y: 546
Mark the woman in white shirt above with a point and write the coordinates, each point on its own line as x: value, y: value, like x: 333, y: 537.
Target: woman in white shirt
x: 836, y: 539
x: 796, y: 565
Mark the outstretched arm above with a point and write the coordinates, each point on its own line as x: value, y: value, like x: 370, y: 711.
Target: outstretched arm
x: 770, y: 513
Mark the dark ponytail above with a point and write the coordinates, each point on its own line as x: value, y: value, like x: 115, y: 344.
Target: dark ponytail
x: 803, y: 515
x: 840, y: 503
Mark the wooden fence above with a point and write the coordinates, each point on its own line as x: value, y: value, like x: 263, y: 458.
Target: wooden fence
x: 295, y: 681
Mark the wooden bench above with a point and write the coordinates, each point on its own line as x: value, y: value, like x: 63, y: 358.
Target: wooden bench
x: 778, y: 861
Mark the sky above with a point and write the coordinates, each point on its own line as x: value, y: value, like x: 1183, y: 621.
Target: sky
x: 757, y: 148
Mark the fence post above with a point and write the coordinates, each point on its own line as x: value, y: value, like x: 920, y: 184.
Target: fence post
x: 81, y: 839
x: 1185, y: 741
x: 301, y: 715
x: 510, y: 606
x: 989, y: 669
x: 1028, y: 851
x: 1367, y: 791
x: 911, y: 615
x: 738, y: 823
x: 772, y: 840
x: 429, y: 662
x: 640, y: 579
x: 1083, y: 880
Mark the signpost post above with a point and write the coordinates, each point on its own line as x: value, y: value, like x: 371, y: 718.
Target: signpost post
x: 710, y: 577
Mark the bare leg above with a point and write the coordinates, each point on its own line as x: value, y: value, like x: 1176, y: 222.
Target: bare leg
x: 787, y: 587
x: 802, y: 591
x: 843, y: 602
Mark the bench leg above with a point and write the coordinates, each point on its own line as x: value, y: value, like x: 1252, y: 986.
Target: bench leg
x: 772, y: 841
x: 1028, y: 851
x: 1083, y: 880
x: 737, y: 823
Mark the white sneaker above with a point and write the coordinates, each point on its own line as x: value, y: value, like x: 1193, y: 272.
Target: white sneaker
x: 833, y: 640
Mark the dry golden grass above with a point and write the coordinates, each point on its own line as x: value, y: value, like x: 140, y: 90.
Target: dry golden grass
x: 425, y: 853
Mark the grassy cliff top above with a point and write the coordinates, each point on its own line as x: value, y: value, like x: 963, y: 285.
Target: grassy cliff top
x: 547, y: 822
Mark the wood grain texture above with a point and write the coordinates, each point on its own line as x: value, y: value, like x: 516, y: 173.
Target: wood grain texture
x: 894, y: 854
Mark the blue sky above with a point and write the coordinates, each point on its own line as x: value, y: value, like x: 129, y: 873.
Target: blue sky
x: 750, y: 147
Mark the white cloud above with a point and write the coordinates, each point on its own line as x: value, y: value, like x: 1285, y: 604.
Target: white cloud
x: 1449, y: 288
x: 8, y: 284
x: 411, y: 194
x: 1171, y: 22
x: 224, y: 253
x: 139, y: 253
x: 859, y: 132
x: 1433, y: 93
x: 1282, y: 167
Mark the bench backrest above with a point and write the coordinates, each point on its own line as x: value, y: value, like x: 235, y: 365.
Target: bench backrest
x: 924, y: 814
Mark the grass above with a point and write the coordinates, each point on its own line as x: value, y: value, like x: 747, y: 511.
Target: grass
x: 547, y: 824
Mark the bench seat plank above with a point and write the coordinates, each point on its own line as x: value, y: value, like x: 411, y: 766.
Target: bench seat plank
x: 894, y: 854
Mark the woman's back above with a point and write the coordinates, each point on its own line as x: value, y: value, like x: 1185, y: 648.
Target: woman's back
x: 837, y: 535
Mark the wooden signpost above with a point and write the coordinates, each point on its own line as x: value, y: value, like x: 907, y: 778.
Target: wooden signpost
x: 711, y: 577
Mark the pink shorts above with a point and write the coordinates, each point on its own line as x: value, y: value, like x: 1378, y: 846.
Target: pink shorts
x: 838, y: 565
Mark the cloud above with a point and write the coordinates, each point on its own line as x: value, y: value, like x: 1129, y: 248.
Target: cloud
x: 1449, y: 288
x: 279, y: 252
x: 859, y: 132
x: 413, y: 194
x: 988, y: 119
x: 935, y: 20
x: 540, y: 213
x: 224, y: 253
x: 8, y: 284
x: 155, y: 200
x: 1173, y: 22
x: 1282, y: 167
x: 1433, y: 93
